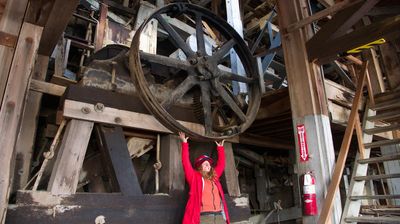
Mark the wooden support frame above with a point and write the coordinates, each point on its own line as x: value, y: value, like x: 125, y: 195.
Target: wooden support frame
x: 344, y: 149
x: 65, y: 176
x: 13, y: 104
x: 114, y: 148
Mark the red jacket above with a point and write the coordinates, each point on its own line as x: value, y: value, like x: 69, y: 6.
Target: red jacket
x: 195, y: 181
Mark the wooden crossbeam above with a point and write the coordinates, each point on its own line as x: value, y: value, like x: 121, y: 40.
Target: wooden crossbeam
x: 387, y: 29
x: 337, y: 26
x: 344, y: 149
x: 321, y: 14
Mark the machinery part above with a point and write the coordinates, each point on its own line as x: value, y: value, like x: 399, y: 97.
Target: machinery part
x: 224, y: 115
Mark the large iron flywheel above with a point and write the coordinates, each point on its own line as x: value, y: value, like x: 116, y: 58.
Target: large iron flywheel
x: 196, y: 73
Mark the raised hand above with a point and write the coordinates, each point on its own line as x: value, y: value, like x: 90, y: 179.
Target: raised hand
x: 220, y: 143
x: 183, y: 137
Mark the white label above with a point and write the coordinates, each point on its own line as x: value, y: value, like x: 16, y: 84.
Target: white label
x: 309, y: 189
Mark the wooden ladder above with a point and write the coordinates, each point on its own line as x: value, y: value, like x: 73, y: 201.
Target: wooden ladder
x: 385, y: 109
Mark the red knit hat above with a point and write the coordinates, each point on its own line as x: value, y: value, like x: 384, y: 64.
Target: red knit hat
x: 199, y: 160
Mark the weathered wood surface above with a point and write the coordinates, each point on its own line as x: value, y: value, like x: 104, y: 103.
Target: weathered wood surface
x: 13, y: 104
x: 10, y: 23
x: 65, y: 176
x: 56, y: 23
x: 172, y: 178
x: 44, y: 208
x: 46, y: 87
x: 114, y: 148
x: 26, y: 137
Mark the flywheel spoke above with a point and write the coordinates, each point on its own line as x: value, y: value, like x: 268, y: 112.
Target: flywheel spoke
x: 201, y: 47
x: 229, y: 100
x: 206, y: 101
x: 163, y: 60
x: 225, y: 48
x: 179, y: 92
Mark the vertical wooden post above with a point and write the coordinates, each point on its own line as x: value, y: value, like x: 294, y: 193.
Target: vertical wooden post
x: 231, y: 174
x: 115, y: 150
x: 391, y: 61
x: 10, y: 23
x: 308, y: 103
x: 26, y: 137
x: 65, y: 175
x: 172, y: 178
x: 13, y: 104
x: 100, y: 30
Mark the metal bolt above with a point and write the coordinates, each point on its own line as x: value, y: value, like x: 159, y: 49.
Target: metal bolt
x: 117, y: 120
x: 85, y: 110
x: 99, y: 107
x: 193, y: 61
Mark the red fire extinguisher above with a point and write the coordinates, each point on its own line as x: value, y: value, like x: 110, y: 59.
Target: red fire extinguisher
x: 309, y: 195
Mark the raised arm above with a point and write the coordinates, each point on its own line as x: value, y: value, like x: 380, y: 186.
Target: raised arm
x: 187, y: 166
x: 219, y: 168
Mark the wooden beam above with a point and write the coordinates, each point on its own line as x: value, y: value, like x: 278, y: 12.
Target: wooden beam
x: 306, y: 82
x: 321, y: 14
x: 39, y: 11
x: 34, y: 207
x: 85, y: 111
x: 7, y: 39
x: 327, y: 3
x: 172, y: 178
x: 10, y: 24
x: 101, y: 27
x: 65, y: 176
x: 13, y: 104
x: 114, y: 147
x: 344, y: 149
x: 391, y: 61
x: 338, y: 25
x: 56, y: 23
x: 26, y: 138
x: 231, y: 173
x: 387, y: 29
x: 47, y: 87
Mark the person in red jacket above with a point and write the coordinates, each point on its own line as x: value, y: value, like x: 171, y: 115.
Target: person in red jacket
x: 206, y: 203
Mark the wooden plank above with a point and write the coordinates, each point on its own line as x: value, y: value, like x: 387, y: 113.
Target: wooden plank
x: 7, y: 39
x: 172, y: 178
x: 230, y: 173
x: 65, y: 175
x: 13, y: 104
x: 34, y: 207
x: 321, y: 14
x: 359, y: 132
x: 344, y: 149
x: 327, y: 3
x: 10, y: 23
x: 115, y: 150
x: 374, y: 71
x: 57, y: 21
x: 391, y: 61
x: 77, y: 110
x: 101, y: 27
x: 26, y: 137
x: 39, y: 11
x: 46, y: 87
